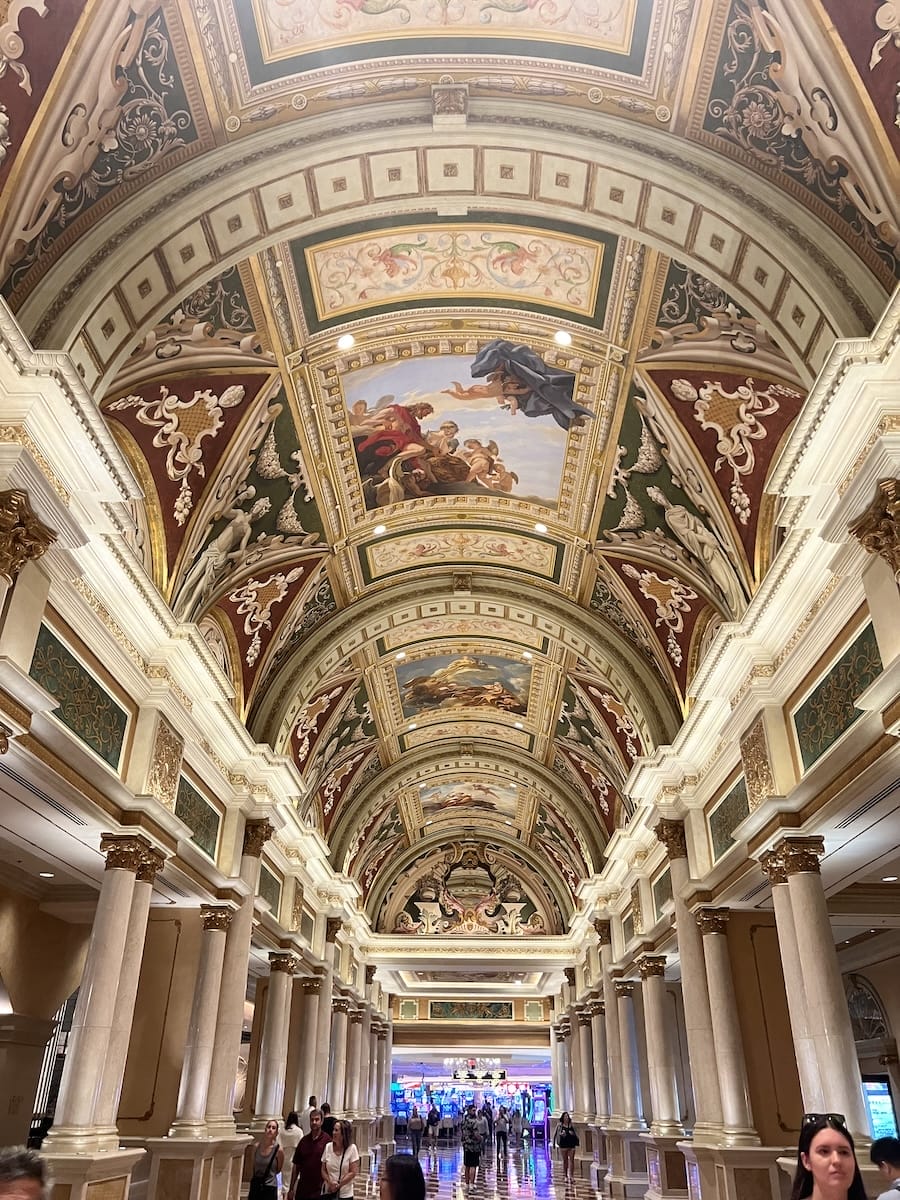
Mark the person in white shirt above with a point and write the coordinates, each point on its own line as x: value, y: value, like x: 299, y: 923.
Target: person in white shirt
x: 303, y: 1117
x: 340, y: 1163
x: 885, y: 1154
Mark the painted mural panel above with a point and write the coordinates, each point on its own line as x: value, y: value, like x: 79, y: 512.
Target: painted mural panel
x: 532, y: 554
x: 463, y: 681
x: 508, y: 262
x: 462, y: 425
x: 453, y: 800
x: 290, y: 26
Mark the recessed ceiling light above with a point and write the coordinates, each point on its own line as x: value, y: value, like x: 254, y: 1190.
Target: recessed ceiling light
x: 889, y: 878
x: 518, y: 983
x: 526, y: 654
x: 400, y: 656
x: 540, y: 527
x: 518, y: 724
x: 509, y: 822
x: 346, y: 341
x: 562, y: 337
x: 379, y: 530
x: 514, y: 786
x: 412, y: 727
x: 429, y: 822
x: 46, y: 875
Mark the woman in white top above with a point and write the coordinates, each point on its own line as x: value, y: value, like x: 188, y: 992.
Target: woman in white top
x: 340, y: 1162
x: 290, y: 1136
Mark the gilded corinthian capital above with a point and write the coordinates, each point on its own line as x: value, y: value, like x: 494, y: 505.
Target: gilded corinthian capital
x: 256, y: 834
x: 878, y: 529
x: 671, y: 834
x: 23, y: 535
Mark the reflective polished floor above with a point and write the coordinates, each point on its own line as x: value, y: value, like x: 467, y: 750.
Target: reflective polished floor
x: 529, y: 1171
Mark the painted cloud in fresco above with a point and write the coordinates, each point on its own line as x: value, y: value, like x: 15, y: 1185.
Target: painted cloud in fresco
x: 450, y: 799
x: 432, y: 427
x: 463, y: 681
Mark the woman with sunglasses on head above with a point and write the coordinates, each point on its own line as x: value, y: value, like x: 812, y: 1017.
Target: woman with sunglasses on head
x: 340, y: 1162
x: 826, y: 1161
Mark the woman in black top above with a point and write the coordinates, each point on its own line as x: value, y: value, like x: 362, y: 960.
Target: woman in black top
x: 567, y: 1139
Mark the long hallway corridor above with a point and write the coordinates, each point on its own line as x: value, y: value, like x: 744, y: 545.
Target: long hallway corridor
x: 530, y: 1171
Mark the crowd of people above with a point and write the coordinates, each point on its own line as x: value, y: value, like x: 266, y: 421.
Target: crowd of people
x: 324, y: 1161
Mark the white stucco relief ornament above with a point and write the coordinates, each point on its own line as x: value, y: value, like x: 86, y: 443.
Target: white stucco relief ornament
x: 255, y: 600
x: 182, y: 427
x: 12, y: 45
x: 672, y: 599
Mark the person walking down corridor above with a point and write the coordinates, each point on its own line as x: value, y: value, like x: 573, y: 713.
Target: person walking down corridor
x: 501, y: 1129
x: 306, y: 1174
x: 415, y: 1127
x: 472, y: 1144
x: 567, y: 1140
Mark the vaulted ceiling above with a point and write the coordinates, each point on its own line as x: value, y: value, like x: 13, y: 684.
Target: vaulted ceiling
x: 451, y: 343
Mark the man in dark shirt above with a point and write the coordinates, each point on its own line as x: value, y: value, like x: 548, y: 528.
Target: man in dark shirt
x: 328, y: 1121
x: 306, y: 1176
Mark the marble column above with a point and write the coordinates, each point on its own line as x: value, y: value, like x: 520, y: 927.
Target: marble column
x: 585, y: 1063
x: 826, y: 1003
x: 737, y: 1118
x: 307, y: 1084
x: 324, y: 1031
x: 368, y: 1049
x: 556, y: 1084
x: 694, y: 989
x: 190, y: 1112
x: 603, y: 930
x: 573, y: 1043
x: 379, y: 1034
x: 233, y: 992
x: 660, y: 1051
x: 335, y: 1091
x: 805, y: 1049
x: 385, y: 1098
x: 273, y: 1046
x: 565, y: 1047
x: 354, y: 1061
x: 631, y: 1089
x: 601, y: 1063
x: 74, y: 1129
x: 129, y: 975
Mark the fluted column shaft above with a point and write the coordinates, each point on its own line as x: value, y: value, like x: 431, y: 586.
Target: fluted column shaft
x: 585, y: 1063
x: 827, y: 1012
x: 324, y: 1034
x: 695, y: 991
x: 631, y: 1092
x: 601, y: 1064
x: 555, y: 1071
x: 613, y: 1040
x: 366, y: 1057
x: 354, y: 1062
x: 339, y: 1039
x: 660, y: 1051
x: 233, y: 992
x: 273, y: 1048
x: 74, y: 1129
x: 306, y: 1081
x: 190, y: 1112
x: 129, y: 977
x: 737, y: 1117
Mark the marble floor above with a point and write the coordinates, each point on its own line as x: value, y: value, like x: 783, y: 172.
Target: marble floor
x: 530, y: 1172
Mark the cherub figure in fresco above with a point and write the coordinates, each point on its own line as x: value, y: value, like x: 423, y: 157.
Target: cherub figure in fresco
x: 522, y: 382
x: 227, y: 547
x: 486, y: 467
x: 444, y: 440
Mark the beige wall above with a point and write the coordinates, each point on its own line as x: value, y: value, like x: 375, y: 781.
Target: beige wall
x: 765, y: 1026
x: 41, y: 958
x: 162, y: 1013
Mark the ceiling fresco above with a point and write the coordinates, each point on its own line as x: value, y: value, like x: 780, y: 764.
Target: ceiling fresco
x: 452, y: 344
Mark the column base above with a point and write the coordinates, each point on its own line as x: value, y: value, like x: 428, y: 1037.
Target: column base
x: 735, y: 1172
x: 205, y: 1168
x: 627, y: 1174
x: 82, y: 1175
x: 666, y: 1168
x: 79, y: 1139
x: 706, y: 1134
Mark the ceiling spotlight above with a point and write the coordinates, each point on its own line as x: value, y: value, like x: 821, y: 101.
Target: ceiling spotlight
x: 346, y: 341
x: 518, y: 983
x: 400, y: 655
x: 519, y: 725
x: 889, y: 878
x: 562, y: 337
x: 509, y: 822
x: 46, y: 875
x: 513, y: 786
x: 527, y: 654
x: 429, y: 822
x: 379, y: 530
x: 412, y: 727
x: 540, y: 527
